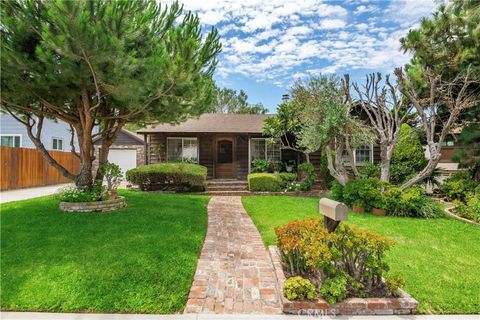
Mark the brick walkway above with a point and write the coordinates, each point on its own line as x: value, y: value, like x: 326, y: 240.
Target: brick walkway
x: 234, y: 273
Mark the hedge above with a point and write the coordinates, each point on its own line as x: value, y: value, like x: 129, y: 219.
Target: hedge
x: 264, y: 182
x: 169, y: 176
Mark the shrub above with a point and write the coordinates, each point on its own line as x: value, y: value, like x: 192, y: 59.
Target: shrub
x: 457, y: 186
x: 334, y: 289
x: 76, y: 194
x: 364, y: 192
x: 394, y: 283
x: 309, y: 176
x: 112, y: 174
x: 336, y: 191
x: 471, y: 208
x: 348, y: 261
x: 260, y: 165
x: 298, y: 288
x: 370, y: 170
x: 287, y: 177
x: 413, y: 202
x: 175, y: 176
x: 264, y: 182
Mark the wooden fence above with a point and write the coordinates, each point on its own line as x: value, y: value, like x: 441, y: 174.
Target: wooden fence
x: 24, y: 168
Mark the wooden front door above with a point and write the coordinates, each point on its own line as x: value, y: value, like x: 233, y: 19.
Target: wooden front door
x: 225, y: 158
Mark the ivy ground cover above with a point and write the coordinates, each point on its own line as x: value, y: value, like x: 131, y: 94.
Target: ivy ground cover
x: 140, y: 259
x: 438, y: 258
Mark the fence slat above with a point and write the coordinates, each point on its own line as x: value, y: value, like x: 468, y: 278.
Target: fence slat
x: 25, y: 168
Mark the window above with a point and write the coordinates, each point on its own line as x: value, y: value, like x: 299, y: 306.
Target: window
x: 261, y: 148
x: 57, y: 144
x: 448, y: 143
x: 363, y: 154
x: 11, y: 140
x: 182, y: 149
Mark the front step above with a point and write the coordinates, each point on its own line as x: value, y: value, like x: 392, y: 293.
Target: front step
x: 227, y: 185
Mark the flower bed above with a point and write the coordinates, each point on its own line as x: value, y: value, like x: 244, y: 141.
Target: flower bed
x: 403, y: 304
x: 94, y: 206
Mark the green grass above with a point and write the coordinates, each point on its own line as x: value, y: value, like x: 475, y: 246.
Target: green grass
x: 439, y: 258
x: 139, y: 259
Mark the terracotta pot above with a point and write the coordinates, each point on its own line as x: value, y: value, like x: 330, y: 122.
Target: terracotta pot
x: 379, y: 212
x: 358, y: 209
x: 112, y: 195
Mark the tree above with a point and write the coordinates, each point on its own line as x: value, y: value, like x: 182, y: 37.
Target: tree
x: 328, y: 122
x: 455, y: 96
x: 469, y: 155
x: 102, y: 64
x: 286, y: 127
x: 386, y: 113
x: 229, y: 101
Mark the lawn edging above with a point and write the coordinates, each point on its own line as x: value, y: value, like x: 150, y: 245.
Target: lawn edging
x: 94, y: 206
x: 404, y: 304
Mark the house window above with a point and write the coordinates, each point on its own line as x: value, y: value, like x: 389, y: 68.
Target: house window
x: 182, y: 149
x: 363, y: 154
x: 11, y: 140
x: 448, y: 143
x: 261, y: 148
x: 57, y: 144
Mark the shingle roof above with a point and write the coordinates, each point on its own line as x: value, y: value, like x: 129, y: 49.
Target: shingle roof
x: 214, y: 123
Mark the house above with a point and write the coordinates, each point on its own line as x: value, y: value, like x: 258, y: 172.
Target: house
x: 127, y: 151
x: 226, y: 144
x: 56, y: 135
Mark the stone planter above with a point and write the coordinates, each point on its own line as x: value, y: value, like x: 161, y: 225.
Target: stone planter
x: 379, y: 212
x: 404, y: 304
x: 94, y: 206
x: 358, y: 209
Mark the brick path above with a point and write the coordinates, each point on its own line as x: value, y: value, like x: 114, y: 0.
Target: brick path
x: 234, y: 273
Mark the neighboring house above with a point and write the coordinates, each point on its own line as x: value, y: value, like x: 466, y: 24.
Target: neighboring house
x: 127, y: 151
x: 55, y: 134
x: 226, y: 144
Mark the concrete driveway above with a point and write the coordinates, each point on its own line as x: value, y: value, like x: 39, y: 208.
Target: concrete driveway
x: 29, y: 193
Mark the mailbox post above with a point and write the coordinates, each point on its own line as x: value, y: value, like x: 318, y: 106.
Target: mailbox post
x: 333, y: 212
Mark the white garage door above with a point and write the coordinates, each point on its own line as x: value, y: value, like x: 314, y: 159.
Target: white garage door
x: 125, y: 158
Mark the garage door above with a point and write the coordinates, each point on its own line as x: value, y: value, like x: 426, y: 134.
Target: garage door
x: 125, y: 158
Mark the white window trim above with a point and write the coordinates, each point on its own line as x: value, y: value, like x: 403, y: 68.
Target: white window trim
x: 14, y: 135
x: 63, y: 144
x: 250, y: 153
x: 362, y: 163
x: 184, y: 138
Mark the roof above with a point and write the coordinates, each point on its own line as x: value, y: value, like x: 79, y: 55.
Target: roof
x: 213, y: 123
x: 125, y: 137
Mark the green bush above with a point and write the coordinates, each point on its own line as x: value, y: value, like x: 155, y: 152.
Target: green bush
x: 264, y: 182
x: 471, y: 208
x: 413, y: 202
x: 260, y: 165
x: 287, y: 177
x: 172, y: 176
x: 309, y: 176
x: 364, y: 192
x: 394, y: 283
x: 457, y: 186
x: 336, y: 191
x: 76, y: 194
x: 334, y: 289
x: 298, y: 288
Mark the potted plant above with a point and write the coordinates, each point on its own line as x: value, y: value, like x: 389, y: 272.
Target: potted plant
x: 276, y: 166
x: 113, y: 176
x: 290, y: 165
x: 358, y: 206
x: 379, y: 207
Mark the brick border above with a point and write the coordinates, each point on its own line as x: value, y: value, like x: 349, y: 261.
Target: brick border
x: 94, y: 206
x: 405, y: 304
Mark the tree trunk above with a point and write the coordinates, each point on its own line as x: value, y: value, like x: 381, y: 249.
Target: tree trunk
x: 386, y: 159
x: 84, y: 179
x: 435, y: 156
x: 339, y: 174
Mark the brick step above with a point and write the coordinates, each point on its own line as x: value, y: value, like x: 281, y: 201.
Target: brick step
x: 227, y: 182
x: 226, y: 187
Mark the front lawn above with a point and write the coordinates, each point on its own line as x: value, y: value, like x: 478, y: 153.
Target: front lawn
x: 140, y: 259
x: 439, y: 258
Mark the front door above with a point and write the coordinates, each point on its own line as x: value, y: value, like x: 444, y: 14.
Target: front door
x: 225, y: 158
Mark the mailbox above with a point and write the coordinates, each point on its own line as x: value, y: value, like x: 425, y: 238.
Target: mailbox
x: 333, y: 211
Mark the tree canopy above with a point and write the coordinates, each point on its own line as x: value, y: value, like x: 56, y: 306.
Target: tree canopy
x: 103, y: 64
x: 230, y: 101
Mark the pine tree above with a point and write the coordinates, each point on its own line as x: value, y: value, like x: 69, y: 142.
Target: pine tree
x: 102, y: 64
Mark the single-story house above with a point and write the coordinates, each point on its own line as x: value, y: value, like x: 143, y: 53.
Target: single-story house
x: 226, y: 144
x: 127, y: 151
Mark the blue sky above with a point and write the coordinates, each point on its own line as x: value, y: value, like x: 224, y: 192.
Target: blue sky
x: 268, y: 44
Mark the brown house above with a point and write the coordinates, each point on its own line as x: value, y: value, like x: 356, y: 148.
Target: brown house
x: 224, y: 143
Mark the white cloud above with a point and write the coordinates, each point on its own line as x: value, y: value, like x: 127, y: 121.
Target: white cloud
x: 332, y: 24
x: 363, y: 9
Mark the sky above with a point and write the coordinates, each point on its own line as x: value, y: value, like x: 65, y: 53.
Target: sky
x: 270, y: 44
